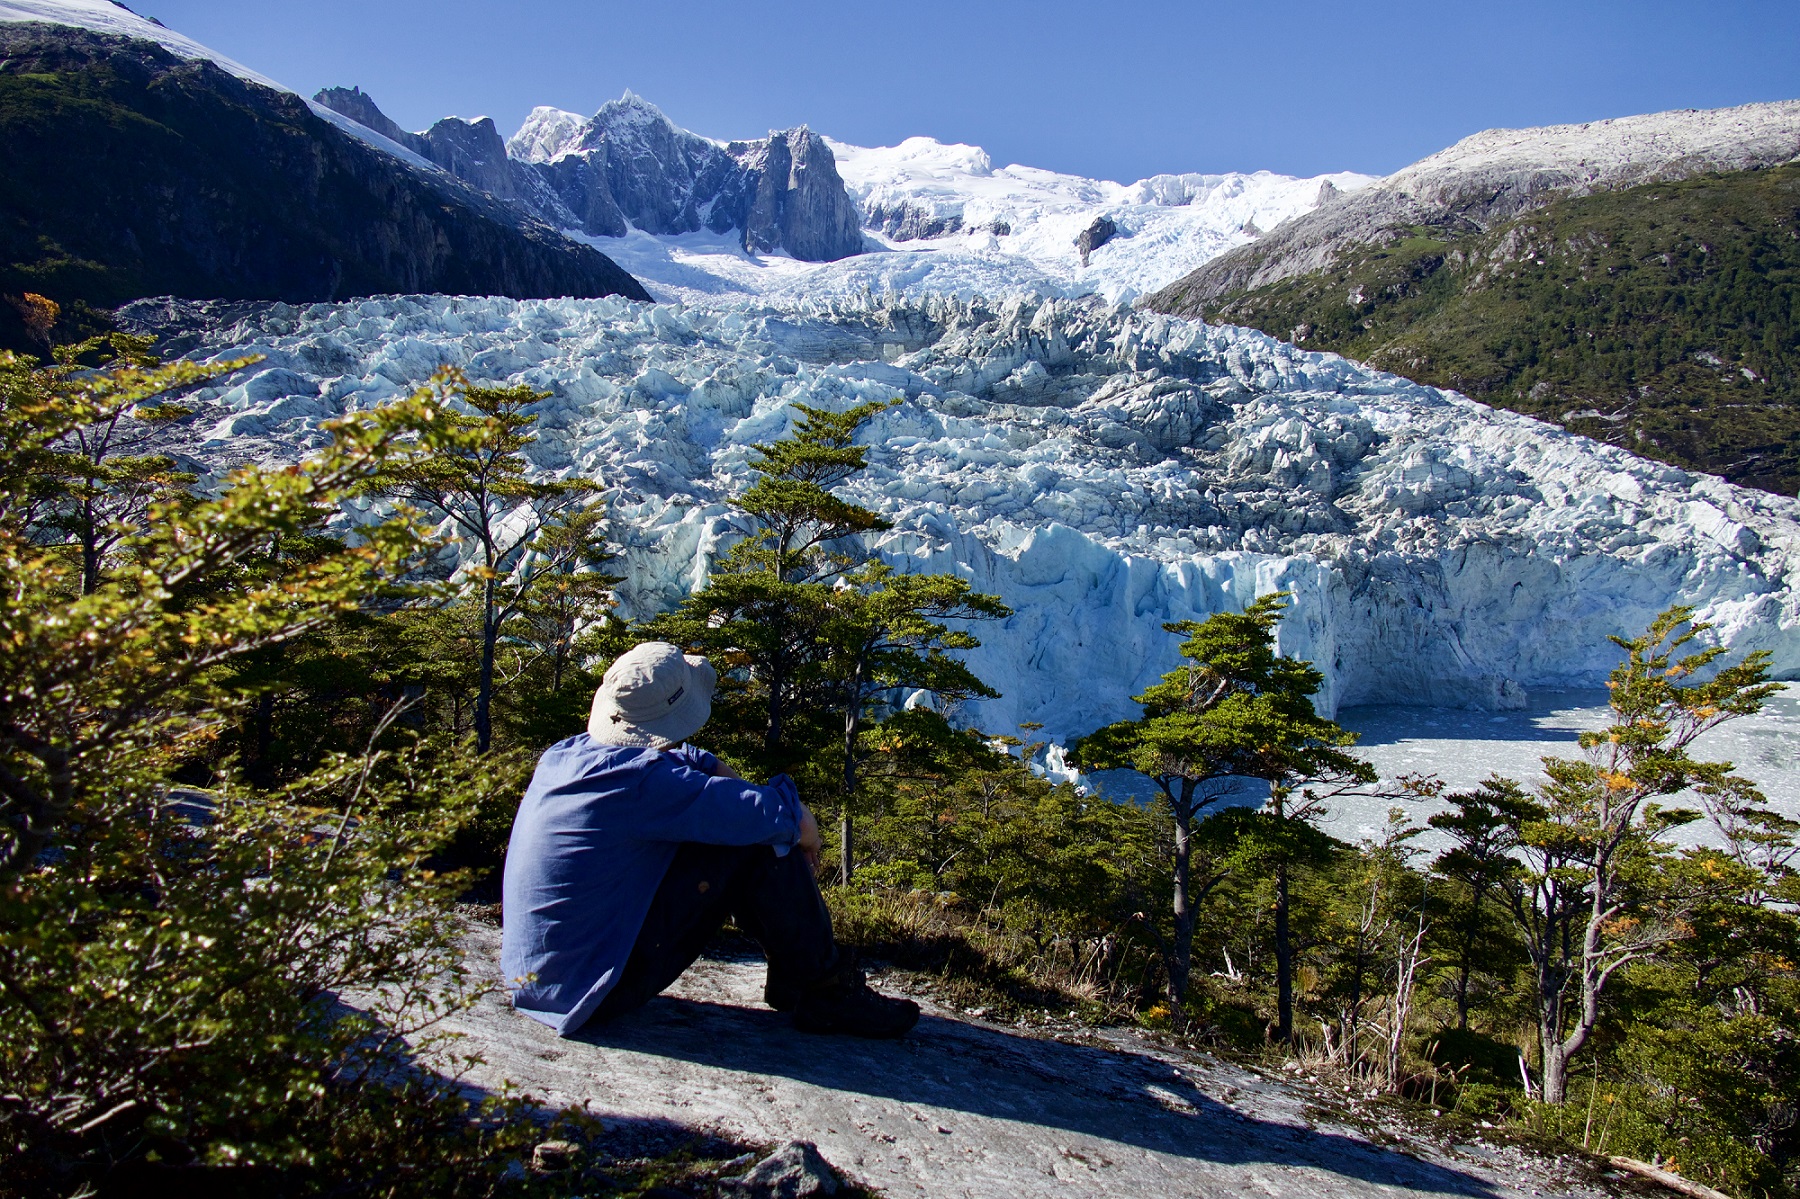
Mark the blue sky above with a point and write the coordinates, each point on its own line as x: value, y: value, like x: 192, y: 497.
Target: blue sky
x: 1118, y: 89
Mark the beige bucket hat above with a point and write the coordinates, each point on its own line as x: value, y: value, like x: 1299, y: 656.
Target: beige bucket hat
x: 654, y: 695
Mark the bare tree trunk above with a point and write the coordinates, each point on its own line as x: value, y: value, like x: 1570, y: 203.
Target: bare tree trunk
x: 1556, y: 1072
x: 852, y: 724
x: 1409, y: 961
x: 1464, y: 967
x: 777, y: 688
x: 1284, y: 959
x: 90, y: 550
x: 484, y: 694
x: 1181, y: 954
x: 264, y: 725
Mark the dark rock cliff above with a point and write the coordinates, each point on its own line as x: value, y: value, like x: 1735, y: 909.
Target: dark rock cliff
x: 356, y: 104
x: 798, y: 201
x: 132, y: 172
x: 474, y: 152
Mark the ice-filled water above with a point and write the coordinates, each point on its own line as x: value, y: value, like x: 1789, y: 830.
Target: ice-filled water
x: 1462, y: 747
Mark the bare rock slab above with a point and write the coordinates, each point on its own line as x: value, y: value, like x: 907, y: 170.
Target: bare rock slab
x: 966, y: 1110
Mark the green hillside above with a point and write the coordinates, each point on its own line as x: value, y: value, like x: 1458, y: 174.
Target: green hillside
x: 1662, y: 318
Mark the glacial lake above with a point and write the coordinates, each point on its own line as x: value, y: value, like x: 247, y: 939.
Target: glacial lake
x: 1463, y: 747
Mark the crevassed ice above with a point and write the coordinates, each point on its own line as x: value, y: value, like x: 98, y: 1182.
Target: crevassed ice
x: 1102, y: 470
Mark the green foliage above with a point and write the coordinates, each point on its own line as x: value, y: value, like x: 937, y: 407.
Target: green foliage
x: 236, y: 774
x: 763, y: 613
x: 1661, y: 318
x: 814, y: 631
x: 1474, y: 927
x: 885, y: 636
x: 1032, y: 893
x: 1597, y: 887
x: 525, y: 531
x: 171, y: 960
x: 798, y: 521
x: 1237, y: 710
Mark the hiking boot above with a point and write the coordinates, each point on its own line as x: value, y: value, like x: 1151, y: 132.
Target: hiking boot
x: 782, y: 996
x: 844, y: 1003
x: 782, y: 993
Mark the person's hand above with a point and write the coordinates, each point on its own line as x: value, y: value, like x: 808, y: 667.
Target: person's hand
x: 809, y: 843
x: 722, y: 771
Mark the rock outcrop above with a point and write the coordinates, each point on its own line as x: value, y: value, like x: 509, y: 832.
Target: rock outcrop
x: 794, y: 1171
x: 1495, y: 175
x: 902, y: 221
x: 796, y: 201
x: 964, y: 1107
x: 132, y: 171
x: 356, y: 104
x: 1094, y: 236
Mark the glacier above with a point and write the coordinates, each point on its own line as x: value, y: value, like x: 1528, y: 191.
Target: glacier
x: 1102, y: 469
x: 951, y: 201
x: 941, y: 219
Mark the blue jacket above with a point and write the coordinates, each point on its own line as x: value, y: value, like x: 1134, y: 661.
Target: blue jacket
x: 594, y: 836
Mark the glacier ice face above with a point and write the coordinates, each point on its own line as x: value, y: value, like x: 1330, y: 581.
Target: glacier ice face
x: 1103, y: 470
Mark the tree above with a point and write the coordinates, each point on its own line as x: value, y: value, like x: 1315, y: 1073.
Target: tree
x: 567, y: 599
x: 822, y: 628
x: 885, y: 634
x: 1597, y: 891
x: 167, y: 959
x: 765, y: 607
x: 87, y: 490
x: 1480, y: 824
x: 1236, y: 711
x: 524, y: 530
x: 1375, y: 907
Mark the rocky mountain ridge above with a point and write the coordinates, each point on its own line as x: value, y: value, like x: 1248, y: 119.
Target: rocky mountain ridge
x: 132, y: 171
x: 630, y: 167
x: 1494, y: 175
x: 1629, y: 280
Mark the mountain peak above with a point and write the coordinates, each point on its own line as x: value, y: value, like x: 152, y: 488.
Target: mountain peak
x: 628, y: 110
x: 546, y: 134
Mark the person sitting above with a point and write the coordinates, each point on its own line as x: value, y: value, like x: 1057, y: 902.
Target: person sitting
x: 631, y: 849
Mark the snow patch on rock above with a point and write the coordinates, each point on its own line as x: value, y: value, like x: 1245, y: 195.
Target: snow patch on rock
x: 106, y: 16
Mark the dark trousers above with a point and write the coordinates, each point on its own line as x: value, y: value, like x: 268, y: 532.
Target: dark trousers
x: 774, y: 900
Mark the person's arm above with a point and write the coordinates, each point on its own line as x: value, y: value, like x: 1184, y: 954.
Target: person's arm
x: 809, y: 843
x: 704, y: 761
x: 676, y: 801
